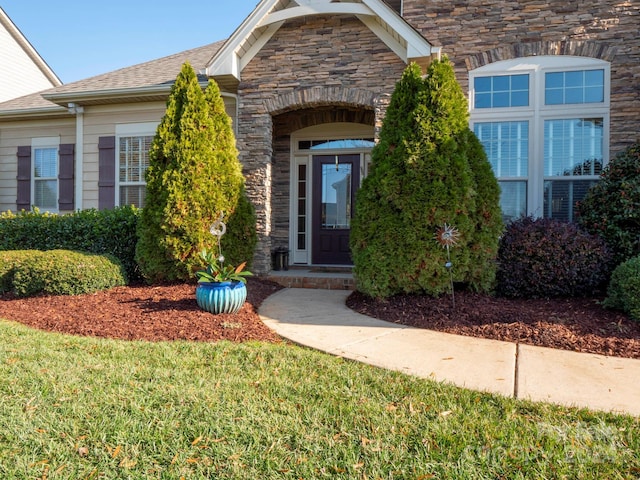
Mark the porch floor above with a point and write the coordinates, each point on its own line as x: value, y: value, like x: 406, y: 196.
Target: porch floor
x: 328, y: 278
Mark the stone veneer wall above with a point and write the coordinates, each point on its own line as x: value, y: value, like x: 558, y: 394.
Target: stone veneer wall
x: 335, y: 60
x: 310, y: 63
x: 477, y: 32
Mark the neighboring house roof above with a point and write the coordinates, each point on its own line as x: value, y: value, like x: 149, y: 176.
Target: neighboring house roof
x: 23, y: 69
x: 269, y: 15
x: 143, y: 82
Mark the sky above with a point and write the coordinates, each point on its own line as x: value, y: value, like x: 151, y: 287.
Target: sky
x: 79, y: 38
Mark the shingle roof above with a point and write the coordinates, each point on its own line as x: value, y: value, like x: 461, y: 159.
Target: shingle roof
x: 156, y: 74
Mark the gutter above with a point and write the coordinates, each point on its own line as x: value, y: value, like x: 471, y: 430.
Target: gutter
x: 26, y: 113
x: 115, y: 94
x: 109, y: 96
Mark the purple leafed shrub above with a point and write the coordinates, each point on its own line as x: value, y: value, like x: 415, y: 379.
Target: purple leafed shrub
x: 544, y: 258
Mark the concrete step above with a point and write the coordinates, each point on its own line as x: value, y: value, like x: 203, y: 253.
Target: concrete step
x: 324, y: 278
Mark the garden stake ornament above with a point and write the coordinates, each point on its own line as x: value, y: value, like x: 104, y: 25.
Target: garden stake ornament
x: 218, y: 229
x: 447, y: 236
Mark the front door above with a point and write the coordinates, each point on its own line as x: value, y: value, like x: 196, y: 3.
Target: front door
x: 335, y: 181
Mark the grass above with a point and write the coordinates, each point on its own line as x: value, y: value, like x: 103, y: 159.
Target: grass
x: 82, y: 408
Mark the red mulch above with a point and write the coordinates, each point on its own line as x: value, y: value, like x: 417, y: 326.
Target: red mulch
x: 580, y: 325
x: 165, y: 313
x: 154, y: 313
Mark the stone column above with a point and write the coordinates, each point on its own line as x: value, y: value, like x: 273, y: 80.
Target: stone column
x: 254, y: 143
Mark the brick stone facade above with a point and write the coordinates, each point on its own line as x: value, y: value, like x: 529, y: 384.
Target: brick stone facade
x: 475, y: 33
x: 314, y: 70
x: 331, y: 68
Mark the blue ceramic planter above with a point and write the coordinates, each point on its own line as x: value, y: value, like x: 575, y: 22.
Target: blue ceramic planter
x: 221, y: 297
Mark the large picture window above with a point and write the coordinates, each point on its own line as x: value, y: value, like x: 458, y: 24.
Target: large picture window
x: 543, y: 122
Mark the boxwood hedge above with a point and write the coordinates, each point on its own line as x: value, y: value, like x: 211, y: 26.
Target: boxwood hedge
x: 110, y: 232
x: 59, y: 272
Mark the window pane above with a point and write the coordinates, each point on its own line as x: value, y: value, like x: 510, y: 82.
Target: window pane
x: 501, y: 91
x: 513, y: 200
x: 553, y: 97
x: 482, y: 84
x: 500, y: 99
x: 46, y: 194
x: 483, y: 100
x: 561, y: 196
x: 134, y: 158
x: 501, y: 83
x: 519, y: 99
x: 554, y: 80
x: 570, y: 145
x: 336, y: 196
x: 581, y: 86
x: 594, y: 78
x: 574, y: 79
x: 593, y: 94
x: 45, y: 162
x: 132, y: 195
x: 506, y: 145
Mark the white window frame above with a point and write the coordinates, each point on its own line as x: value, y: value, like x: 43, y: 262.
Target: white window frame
x: 342, y: 131
x: 130, y: 130
x: 45, y: 143
x: 537, y: 112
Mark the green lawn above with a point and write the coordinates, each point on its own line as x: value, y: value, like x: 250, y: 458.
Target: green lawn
x: 80, y: 408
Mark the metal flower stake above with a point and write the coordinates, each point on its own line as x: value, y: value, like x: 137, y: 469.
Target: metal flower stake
x: 447, y: 236
x: 218, y: 229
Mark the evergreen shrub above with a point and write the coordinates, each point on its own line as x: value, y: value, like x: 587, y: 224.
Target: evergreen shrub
x: 65, y: 272
x: 611, y: 207
x: 194, y: 175
x: 623, y: 292
x: 110, y: 232
x: 427, y: 169
x: 545, y: 258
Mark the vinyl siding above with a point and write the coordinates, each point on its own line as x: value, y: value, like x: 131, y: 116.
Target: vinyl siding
x: 18, y: 74
x: 18, y: 134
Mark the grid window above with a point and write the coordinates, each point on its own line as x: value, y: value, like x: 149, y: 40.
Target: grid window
x: 45, y: 178
x: 582, y: 86
x: 133, y: 160
x: 548, y: 152
x: 501, y: 91
x: 507, y: 148
x: 572, y: 148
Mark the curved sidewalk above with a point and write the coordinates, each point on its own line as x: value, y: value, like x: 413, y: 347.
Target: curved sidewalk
x: 320, y: 319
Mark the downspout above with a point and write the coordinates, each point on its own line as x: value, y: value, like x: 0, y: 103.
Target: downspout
x: 79, y: 154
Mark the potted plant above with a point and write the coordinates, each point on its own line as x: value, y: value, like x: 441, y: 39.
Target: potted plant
x: 221, y: 288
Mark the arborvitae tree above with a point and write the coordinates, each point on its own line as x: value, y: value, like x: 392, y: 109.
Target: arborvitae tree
x: 193, y: 175
x: 428, y: 169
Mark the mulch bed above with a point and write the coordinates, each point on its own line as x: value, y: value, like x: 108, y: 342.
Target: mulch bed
x: 580, y: 325
x: 169, y: 312
x: 154, y: 313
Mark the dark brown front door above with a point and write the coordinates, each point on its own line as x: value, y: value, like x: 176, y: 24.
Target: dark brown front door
x: 335, y: 181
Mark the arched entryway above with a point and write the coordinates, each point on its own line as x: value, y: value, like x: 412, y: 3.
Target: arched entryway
x: 320, y: 157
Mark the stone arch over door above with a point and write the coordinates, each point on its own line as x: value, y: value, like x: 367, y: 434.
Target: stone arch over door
x: 314, y: 102
x: 298, y: 110
x: 265, y: 124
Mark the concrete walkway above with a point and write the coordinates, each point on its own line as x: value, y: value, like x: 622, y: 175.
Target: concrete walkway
x: 320, y: 319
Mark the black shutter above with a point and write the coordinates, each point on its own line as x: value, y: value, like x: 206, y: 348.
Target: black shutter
x: 65, y: 178
x: 106, y: 172
x: 23, y: 200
